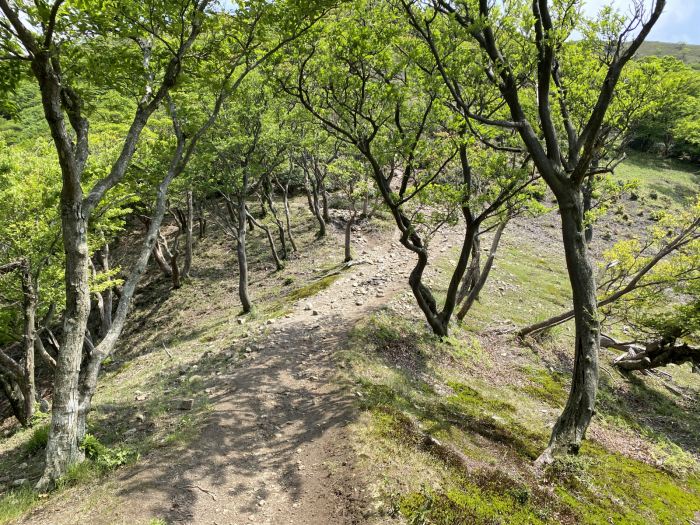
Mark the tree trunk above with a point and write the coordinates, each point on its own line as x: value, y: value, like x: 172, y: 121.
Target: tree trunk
x: 483, y: 274
x: 270, y: 240
x: 90, y: 374
x: 11, y: 389
x: 287, y: 216
x: 348, y: 236
x: 241, y: 250
x: 177, y: 283
x: 189, y: 221
x: 29, y: 336
x: 471, y: 276
x: 324, y: 201
x: 160, y: 259
x: 107, y: 295
x: 570, y: 428
x: 657, y: 354
x: 588, y: 204
x: 312, y: 196
x: 63, y: 447
x: 278, y: 222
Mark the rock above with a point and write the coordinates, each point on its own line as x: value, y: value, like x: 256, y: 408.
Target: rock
x: 270, y: 321
x: 23, y: 466
x: 240, y: 320
x: 140, y: 418
x: 308, y: 306
x: 184, y: 404
x: 140, y: 396
x: 358, y: 302
x: 19, y: 482
x: 315, y: 312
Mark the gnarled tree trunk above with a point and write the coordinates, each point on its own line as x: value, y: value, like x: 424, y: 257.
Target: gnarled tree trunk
x: 570, y: 428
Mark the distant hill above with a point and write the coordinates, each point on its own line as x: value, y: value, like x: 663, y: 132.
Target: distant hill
x: 688, y: 53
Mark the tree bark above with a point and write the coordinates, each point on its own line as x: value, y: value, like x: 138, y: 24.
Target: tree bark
x: 482, y: 274
x: 160, y: 258
x: 348, y: 236
x: 189, y: 222
x: 287, y: 216
x: 107, y: 295
x: 241, y: 249
x: 28, y: 339
x: 587, y: 190
x: 270, y: 240
x: 267, y: 192
x: 570, y: 428
x: 312, y: 196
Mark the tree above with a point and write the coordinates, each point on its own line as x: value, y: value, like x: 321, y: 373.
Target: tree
x: 528, y: 68
x: 653, y: 290
x: 358, y: 81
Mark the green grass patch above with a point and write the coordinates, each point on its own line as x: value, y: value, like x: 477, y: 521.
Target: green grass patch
x: 37, y: 439
x: 470, y: 504
x: 16, y: 502
x: 313, y: 288
x: 546, y: 386
x: 612, y: 488
x: 659, y: 178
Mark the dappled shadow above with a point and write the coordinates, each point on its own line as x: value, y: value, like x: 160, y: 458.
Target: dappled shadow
x: 259, y: 421
x: 674, y: 418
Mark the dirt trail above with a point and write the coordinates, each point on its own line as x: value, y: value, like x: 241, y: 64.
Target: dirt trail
x: 275, y: 448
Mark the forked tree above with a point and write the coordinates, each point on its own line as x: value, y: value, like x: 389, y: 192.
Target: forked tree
x: 529, y: 70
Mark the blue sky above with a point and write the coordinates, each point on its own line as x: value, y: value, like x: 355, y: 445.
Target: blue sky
x: 680, y: 21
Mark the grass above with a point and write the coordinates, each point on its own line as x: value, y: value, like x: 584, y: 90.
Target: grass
x: 17, y: 502
x: 499, y: 430
x: 662, y: 182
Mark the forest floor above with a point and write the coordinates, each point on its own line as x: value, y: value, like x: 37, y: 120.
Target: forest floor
x: 317, y: 408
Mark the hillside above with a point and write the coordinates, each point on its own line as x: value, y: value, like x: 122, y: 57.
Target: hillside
x: 348, y: 263
x: 333, y: 404
x: 688, y: 53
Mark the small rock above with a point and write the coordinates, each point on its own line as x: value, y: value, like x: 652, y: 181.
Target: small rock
x: 184, y: 404
x: 358, y: 303
x: 315, y: 312
x: 240, y: 320
x: 19, y: 482
x: 140, y: 418
x: 140, y: 397
x: 308, y: 306
x: 23, y: 466
x: 270, y: 321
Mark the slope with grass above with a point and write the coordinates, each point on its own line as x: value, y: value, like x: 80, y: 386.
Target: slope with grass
x: 333, y: 403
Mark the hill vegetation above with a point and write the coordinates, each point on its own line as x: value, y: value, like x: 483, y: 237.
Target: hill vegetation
x: 686, y: 53
x: 346, y: 262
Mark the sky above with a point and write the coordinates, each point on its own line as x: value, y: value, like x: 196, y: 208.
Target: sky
x: 680, y: 21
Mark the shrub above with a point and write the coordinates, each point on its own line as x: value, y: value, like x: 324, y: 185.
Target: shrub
x: 37, y: 441
x: 104, y: 457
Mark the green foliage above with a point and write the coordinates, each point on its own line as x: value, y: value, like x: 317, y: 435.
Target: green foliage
x: 106, y: 458
x: 17, y: 502
x: 37, y: 440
